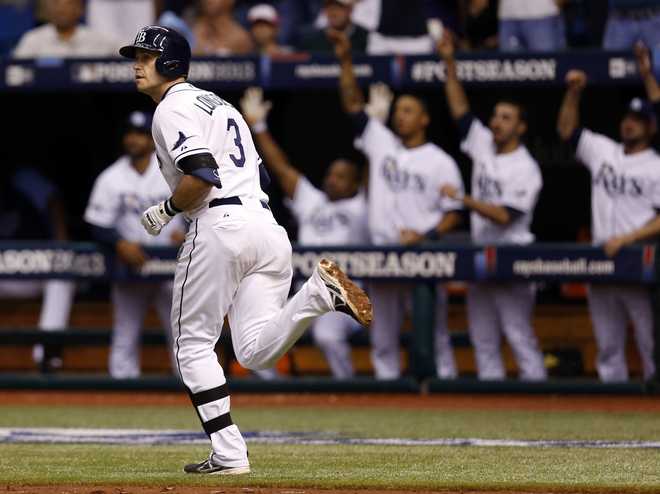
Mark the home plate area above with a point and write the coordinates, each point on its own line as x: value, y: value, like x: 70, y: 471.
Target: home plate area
x: 143, y: 436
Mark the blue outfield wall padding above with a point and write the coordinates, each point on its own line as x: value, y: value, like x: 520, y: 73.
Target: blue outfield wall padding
x: 552, y: 386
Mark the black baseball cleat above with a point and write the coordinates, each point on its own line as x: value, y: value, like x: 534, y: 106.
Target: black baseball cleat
x: 347, y: 297
x: 207, y: 467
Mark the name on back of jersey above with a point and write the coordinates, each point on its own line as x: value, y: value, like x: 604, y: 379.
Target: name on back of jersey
x: 208, y: 102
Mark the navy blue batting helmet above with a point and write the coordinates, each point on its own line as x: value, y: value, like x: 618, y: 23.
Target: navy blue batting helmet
x: 174, y: 59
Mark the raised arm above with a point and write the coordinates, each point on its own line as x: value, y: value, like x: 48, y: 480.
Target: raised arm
x: 352, y: 97
x: 456, y: 97
x: 255, y: 110
x: 646, y: 72
x: 569, y: 113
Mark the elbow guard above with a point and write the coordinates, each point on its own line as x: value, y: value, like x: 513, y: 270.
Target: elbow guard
x: 202, y: 166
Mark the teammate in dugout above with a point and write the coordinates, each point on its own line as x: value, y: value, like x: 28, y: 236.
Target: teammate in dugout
x: 236, y: 259
x: 404, y: 207
x: 120, y: 194
x: 334, y: 216
x: 625, y: 199
x: 506, y: 182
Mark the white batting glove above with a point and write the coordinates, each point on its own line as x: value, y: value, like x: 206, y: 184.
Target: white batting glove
x: 155, y: 218
x: 380, y: 100
x: 255, y: 109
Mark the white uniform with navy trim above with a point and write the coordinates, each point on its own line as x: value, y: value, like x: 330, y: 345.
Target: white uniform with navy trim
x: 404, y: 193
x: 625, y: 195
x: 236, y: 261
x: 512, y: 180
x: 322, y: 222
x: 119, y: 196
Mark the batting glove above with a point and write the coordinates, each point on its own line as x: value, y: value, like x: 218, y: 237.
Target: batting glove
x: 155, y: 218
x: 380, y: 100
x: 255, y: 109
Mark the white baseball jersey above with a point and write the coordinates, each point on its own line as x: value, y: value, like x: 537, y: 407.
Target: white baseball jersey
x: 511, y: 180
x: 325, y: 222
x: 625, y: 188
x: 190, y: 121
x: 404, y: 184
x: 120, y: 196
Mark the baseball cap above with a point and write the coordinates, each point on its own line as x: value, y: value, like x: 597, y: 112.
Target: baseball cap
x: 139, y: 121
x: 264, y: 13
x: 642, y: 108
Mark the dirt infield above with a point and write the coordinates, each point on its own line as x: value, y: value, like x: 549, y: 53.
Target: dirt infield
x: 434, y: 402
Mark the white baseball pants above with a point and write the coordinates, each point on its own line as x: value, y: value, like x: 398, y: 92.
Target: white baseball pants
x: 130, y: 302
x: 331, y: 332
x: 389, y: 303
x: 496, y: 308
x: 236, y: 260
x: 611, y: 307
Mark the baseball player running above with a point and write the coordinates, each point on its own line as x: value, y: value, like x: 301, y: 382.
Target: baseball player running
x: 119, y: 196
x: 405, y: 206
x: 506, y: 182
x: 236, y: 259
x: 336, y: 215
x: 625, y: 198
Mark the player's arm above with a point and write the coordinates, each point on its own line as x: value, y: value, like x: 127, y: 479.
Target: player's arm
x: 501, y: 215
x: 646, y: 232
x: 255, y: 110
x: 569, y: 112
x: 351, y: 94
x: 449, y: 222
x: 457, y: 100
x: 646, y: 72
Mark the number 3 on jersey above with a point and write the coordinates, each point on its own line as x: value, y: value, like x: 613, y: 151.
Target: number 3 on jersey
x: 240, y: 160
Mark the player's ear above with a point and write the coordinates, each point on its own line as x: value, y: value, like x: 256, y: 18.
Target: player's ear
x: 522, y: 128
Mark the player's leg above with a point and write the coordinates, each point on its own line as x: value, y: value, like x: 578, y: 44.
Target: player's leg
x: 484, y: 328
x: 388, y: 317
x: 515, y: 303
x: 163, y: 304
x: 206, y: 277
x: 129, y: 306
x: 637, y: 301
x: 609, y: 322
x: 445, y: 364
x: 331, y: 333
x: 55, y: 312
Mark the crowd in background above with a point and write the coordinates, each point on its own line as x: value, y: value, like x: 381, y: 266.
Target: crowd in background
x: 95, y: 28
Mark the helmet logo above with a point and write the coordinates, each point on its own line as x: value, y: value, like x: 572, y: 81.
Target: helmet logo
x: 141, y: 37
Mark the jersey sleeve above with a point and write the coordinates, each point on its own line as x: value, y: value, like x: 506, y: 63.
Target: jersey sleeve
x: 521, y: 191
x: 181, y: 133
x: 478, y: 139
x: 591, y: 147
x: 452, y: 177
x: 372, y: 138
x: 103, y: 206
x: 306, y: 198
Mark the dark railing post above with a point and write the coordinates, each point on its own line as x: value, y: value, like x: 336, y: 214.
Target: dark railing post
x: 422, y: 344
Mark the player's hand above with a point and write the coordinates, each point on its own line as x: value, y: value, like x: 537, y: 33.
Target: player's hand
x: 643, y: 59
x: 615, y: 244
x: 341, y: 43
x: 449, y: 191
x: 576, y: 80
x: 254, y: 108
x: 445, y: 46
x: 380, y: 101
x: 131, y: 253
x: 410, y: 237
x: 155, y: 218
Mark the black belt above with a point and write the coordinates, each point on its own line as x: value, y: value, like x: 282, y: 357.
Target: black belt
x: 235, y: 200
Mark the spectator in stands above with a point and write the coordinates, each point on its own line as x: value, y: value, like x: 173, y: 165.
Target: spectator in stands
x: 338, y: 13
x: 264, y: 28
x: 63, y: 36
x: 334, y: 216
x: 506, y: 182
x: 531, y: 25
x: 405, y: 206
x: 217, y: 32
x: 479, y: 25
x: 630, y: 21
x: 625, y: 201
x: 31, y: 209
x: 120, y: 194
x: 120, y: 19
